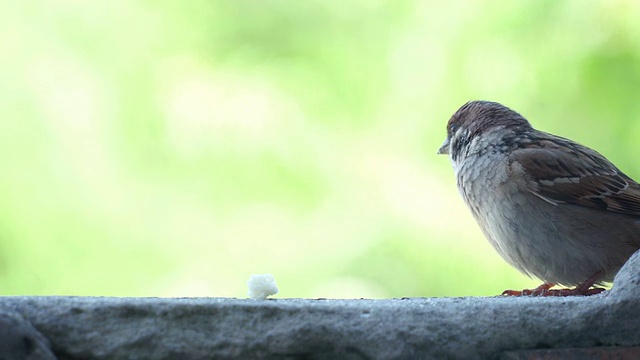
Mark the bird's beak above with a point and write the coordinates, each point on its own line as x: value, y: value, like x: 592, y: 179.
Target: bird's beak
x: 444, y: 149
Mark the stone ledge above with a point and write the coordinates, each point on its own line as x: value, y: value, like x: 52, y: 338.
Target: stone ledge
x: 207, y: 328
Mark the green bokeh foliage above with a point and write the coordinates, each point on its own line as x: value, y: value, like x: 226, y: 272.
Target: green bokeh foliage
x: 173, y: 148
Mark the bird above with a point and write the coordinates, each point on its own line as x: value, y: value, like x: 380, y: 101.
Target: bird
x: 554, y: 209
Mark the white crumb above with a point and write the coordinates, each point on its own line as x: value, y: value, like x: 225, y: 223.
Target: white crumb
x: 261, y: 286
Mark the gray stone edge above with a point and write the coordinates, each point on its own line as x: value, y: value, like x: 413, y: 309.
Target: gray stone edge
x: 211, y: 328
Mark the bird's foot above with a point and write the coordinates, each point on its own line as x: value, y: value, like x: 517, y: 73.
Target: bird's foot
x: 553, y: 292
x: 583, y: 289
x: 541, y: 290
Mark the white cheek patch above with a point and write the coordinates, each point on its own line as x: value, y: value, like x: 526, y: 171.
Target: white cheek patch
x: 460, y: 150
x: 455, y: 165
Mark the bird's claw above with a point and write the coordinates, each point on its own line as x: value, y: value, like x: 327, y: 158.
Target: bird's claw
x: 553, y: 292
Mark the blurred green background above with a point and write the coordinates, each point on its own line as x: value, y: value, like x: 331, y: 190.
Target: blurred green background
x: 173, y: 148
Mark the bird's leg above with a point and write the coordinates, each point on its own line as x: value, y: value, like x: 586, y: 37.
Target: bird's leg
x: 583, y: 289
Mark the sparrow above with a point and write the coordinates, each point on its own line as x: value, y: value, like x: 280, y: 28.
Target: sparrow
x: 554, y: 209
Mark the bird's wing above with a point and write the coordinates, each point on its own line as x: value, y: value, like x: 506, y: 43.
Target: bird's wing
x: 574, y: 174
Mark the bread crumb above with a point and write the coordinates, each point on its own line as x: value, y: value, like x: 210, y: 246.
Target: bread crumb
x: 261, y: 286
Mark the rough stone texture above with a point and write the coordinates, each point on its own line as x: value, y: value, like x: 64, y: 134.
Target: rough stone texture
x: 603, y: 352
x: 20, y: 340
x: 447, y: 328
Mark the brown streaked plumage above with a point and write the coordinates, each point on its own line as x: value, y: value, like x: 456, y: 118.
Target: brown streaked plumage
x: 553, y: 208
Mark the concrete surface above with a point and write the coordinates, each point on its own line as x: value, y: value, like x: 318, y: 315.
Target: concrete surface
x: 217, y: 328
